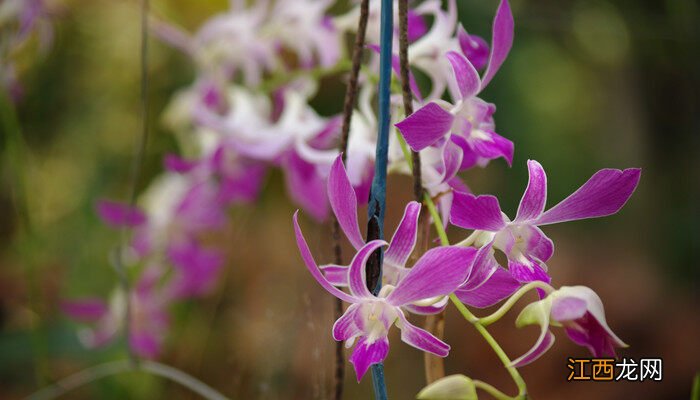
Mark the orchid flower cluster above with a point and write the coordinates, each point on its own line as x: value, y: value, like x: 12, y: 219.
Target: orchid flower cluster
x: 249, y: 111
x: 19, y: 21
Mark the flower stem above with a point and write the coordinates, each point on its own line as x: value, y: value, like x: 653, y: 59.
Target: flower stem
x: 519, y: 382
x: 497, y: 394
x: 490, y: 319
x: 100, y: 371
x: 348, y: 107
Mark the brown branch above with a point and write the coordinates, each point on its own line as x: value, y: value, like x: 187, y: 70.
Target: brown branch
x: 348, y: 107
x: 435, y: 324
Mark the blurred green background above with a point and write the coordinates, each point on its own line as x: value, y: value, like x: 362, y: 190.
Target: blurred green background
x: 589, y: 84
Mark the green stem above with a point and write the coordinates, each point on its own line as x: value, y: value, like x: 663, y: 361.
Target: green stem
x: 519, y: 382
x: 490, y: 319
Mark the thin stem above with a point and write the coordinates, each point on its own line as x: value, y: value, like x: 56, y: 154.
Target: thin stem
x: 348, y: 108
x: 406, y: 92
x: 497, y: 394
x: 519, y: 382
x: 490, y: 319
x: 515, y: 375
x: 100, y: 371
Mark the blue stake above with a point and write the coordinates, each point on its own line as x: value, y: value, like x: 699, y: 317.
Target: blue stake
x: 377, y: 197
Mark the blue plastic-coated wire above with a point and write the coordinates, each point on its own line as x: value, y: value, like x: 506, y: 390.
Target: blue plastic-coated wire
x: 377, y: 197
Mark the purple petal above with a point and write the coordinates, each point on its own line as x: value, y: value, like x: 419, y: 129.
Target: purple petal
x: 467, y: 78
x: 145, y: 344
x: 356, y: 273
x: 472, y: 212
x: 366, y: 355
x: 484, y: 266
x: 175, y: 163
x: 501, y: 41
x: 87, y: 309
x: 603, y: 194
x: 345, y: 327
x: 305, y: 186
x: 421, y: 339
x: 494, y: 147
x: 538, y: 244
x: 535, y: 196
x: 118, y: 214
x: 425, y: 126
x: 337, y: 275
x: 404, y: 239
x: 499, y: 286
x: 344, y: 203
x: 524, y: 273
x: 437, y: 273
x: 313, y: 268
x: 416, y: 26
x: 544, y: 342
x: 474, y: 48
x: 198, y: 267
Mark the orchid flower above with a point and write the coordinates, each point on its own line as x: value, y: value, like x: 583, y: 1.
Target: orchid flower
x: 369, y: 317
x: 149, y: 319
x: 521, y: 239
x: 580, y: 311
x: 469, y: 121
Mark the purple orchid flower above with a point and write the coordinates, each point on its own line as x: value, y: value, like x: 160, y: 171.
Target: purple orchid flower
x: 369, y: 317
x: 149, y: 318
x: 521, y: 240
x: 469, y: 122
x: 580, y: 311
x: 343, y: 202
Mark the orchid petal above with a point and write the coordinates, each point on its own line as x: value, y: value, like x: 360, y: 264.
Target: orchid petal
x: 465, y: 74
x: 421, y: 339
x: 118, y: 214
x: 603, y: 194
x: 345, y: 327
x: 306, y: 187
x: 425, y: 126
x: 344, y: 202
x: 501, y: 41
x: 472, y: 212
x: 533, y: 201
x: 499, y: 286
x: 473, y: 47
x: 527, y: 273
x: 367, y: 354
x: 536, y: 313
x: 438, y: 272
x: 87, y: 309
x: 404, y: 239
x: 485, y: 265
x: 493, y: 147
x: 337, y: 275
x: 356, y: 273
x: 313, y: 268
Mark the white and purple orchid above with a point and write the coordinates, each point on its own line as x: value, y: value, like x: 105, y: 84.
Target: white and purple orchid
x: 521, y: 239
x: 468, y: 122
x: 577, y: 309
x: 369, y: 317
